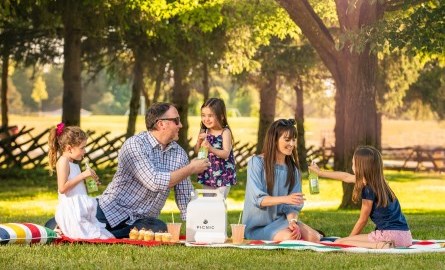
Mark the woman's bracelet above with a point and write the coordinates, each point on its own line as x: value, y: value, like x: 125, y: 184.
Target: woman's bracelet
x: 294, y: 220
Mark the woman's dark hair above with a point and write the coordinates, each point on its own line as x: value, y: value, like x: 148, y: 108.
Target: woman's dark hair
x: 218, y: 107
x: 274, y: 132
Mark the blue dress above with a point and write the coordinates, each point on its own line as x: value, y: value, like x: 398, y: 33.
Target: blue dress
x: 262, y: 223
x: 222, y: 172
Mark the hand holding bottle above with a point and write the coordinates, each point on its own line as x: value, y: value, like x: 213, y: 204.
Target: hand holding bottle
x: 92, y: 180
x: 199, y: 165
x: 314, y: 168
x: 90, y: 173
x: 202, y: 136
x: 204, y: 145
x: 313, y: 179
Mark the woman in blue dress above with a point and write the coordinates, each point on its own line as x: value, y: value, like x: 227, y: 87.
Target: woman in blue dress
x: 273, y: 197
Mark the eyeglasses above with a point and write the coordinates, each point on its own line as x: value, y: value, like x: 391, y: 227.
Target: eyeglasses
x: 176, y: 120
x: 287, y: 122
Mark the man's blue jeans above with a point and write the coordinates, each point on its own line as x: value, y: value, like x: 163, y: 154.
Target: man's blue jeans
x: 122, y: 230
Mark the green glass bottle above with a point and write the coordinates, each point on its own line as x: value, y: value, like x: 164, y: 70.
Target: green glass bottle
x: 313, y: 183
x: 203, y: 152
x: 90, y: 182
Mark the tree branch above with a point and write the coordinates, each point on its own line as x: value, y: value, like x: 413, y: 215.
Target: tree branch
x: 302, y: 13
x: 395, y: 5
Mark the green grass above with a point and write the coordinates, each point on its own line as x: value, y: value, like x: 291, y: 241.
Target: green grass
x: 30, y: 196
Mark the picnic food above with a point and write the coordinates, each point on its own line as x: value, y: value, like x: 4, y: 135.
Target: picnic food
x: 149, y: 235
x: 134, y: 233
x: 158, y: 236
x: 166, y: 237
x: 141, y: 234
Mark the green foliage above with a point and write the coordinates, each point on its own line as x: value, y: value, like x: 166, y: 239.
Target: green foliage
x: 103, y: 94
x: 21, y: 79
x: 108, y: 105
x: 15, y: 102
x: 39, y: 92
x: 219, y: 92
x: 397, y: 72
x: 247, y: 101
x: 429, y: 89
x: 418, y: 28
x: 195, y: 102
x: 251, y: 24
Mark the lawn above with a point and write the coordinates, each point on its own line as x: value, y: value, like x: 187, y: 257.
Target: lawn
x: 31, y: 197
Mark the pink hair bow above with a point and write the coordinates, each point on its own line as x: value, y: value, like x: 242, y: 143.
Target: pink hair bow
x: 59, y: 128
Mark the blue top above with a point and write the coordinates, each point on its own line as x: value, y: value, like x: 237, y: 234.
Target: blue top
x: 262, y: 223
x: 222, y: 172
x: 385, y: 218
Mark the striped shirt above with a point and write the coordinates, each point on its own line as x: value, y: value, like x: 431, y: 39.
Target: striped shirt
x: 139, y: 188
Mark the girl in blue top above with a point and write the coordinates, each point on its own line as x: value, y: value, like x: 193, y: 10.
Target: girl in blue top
x: 378, y: 202
x: 273, y: 196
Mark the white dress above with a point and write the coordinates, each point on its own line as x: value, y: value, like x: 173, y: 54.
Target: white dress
x: 76, y: 212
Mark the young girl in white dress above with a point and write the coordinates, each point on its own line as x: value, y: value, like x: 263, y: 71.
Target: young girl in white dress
x: 76, y: 211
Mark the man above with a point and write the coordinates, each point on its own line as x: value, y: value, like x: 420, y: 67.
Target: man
x: 149, y: 164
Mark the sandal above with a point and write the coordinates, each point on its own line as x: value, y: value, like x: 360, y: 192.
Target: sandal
x: 385, y: 245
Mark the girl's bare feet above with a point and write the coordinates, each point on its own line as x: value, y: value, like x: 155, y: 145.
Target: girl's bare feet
x: 385, y: 245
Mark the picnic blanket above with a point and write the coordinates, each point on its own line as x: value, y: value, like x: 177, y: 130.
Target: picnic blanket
x: 65, y: 239
x: 327, y: 245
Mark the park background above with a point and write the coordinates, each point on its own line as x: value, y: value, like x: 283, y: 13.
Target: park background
x: 350, y: 72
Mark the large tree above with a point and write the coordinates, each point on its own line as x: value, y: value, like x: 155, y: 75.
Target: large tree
x: 71, y: 11
x: 253, y: 27
x: 74, y: 21
x: 26, y: 38
x: 353, y: 65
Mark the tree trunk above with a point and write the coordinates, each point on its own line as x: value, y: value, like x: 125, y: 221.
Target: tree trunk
x: 146, y: 99
x: 158, y: 83
x: 356, y: 112
x: 268, y: 96
x: 354, y: 74
x: 180, y: 98
x: 136, y: 90
x: 72, y: 87
x: 4, y: 94
x: 205, y: 80
x: 359, y: 96
x: 299, y: 117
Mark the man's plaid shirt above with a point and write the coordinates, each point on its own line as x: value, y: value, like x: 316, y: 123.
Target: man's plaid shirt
x: 140, y: 186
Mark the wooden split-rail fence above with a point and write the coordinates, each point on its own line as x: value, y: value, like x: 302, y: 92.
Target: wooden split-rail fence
x: 21, y: 148
x: 413, y: 158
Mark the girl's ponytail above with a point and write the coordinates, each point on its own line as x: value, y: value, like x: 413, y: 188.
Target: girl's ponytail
x: 53, y: 148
